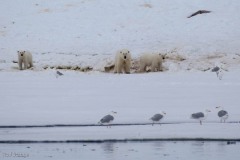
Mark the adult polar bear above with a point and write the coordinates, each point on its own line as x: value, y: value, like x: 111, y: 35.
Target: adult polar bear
x: 153, y: 60
x: 122, y: 61
x: 25, y: 57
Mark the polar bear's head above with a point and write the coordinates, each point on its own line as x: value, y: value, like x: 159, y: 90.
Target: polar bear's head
x: 125, y: 54
x: 21, y: 53
x: 161, y: 56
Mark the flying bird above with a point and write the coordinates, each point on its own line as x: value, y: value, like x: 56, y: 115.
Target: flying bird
x: 200, y: 116
x: 222, y: 114
x: 157, y: 117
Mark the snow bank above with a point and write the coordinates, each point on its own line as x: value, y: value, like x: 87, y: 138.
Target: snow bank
x: 88, y: 33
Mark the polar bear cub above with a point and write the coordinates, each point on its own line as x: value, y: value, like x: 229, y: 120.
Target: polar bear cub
x: 153, y: 60
x: 24, y: 57
x: 122, y: 61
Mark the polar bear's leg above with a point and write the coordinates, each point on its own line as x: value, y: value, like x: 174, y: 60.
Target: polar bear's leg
x: 160, y: 67
x: 142, y: 67
x: 31, y: 64
x: 25, y: 64
x: 30, y: 61
x: 115, y: 69
x: 127, y: 68
x: 153, y: 67
x: 20, y: 63
x: 119, y: 68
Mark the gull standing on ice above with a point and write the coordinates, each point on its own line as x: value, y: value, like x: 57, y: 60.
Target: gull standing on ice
x: 157, y: 117
x: 200, y: 116
x: 107, y: 119
x: 222, y: 114
x: 218, y: 72
x: 58, y: 74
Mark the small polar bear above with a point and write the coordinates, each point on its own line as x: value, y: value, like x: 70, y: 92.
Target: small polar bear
x: 122, y: 61
x: 153, y: 60
x: 24, y: 57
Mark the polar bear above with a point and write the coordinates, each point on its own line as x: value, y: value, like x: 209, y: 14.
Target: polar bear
x: 25, y: 57
x: 122, y: 61
x: 153, y: 60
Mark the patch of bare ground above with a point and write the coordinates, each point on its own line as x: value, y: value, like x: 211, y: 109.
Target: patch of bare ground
x: 146, y: 5
x: 69, y: 67
x: 46, y: 10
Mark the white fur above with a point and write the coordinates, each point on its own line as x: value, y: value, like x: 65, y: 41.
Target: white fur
x: 25, y: 57
x: 122, y: 61
x: 151, y: 60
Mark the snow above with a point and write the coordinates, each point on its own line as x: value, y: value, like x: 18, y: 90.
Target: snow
x: 211, y: 131
x: 39, y: 98
x: 102, y: 27
x: 88, y: 33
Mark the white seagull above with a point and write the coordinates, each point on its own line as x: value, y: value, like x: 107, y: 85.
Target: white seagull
x: 107, y: 119
x: 200, y: 116
x: 222, y: 114
x: 218, y: 72
x: 157, y: 117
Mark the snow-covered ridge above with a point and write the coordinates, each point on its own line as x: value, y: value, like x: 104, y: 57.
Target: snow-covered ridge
x: 173, y: 62
x: 89, y: 32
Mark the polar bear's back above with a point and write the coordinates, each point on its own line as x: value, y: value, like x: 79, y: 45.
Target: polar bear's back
x: 28, y: 55
x: 147, y: 58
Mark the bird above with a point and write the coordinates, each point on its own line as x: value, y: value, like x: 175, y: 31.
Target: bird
x: 59, y: 74
x: 215, y: 69
x: 218, y: 72
x: 222, y: 114
x: 107, y: 119
x: 200, y: 116
x: 157, y: 117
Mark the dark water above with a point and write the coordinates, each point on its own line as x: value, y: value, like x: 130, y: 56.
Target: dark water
x: 192, y: 150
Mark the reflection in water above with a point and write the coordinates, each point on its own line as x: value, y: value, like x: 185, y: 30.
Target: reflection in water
x: 108, y: 147
x: 221, y: 147
x: 167, y: 150
x: 198, y: 143
x: 198, y: 147
x: 158, y: 145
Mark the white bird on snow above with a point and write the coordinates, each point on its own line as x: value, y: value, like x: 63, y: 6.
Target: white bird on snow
x: 222, y: 114
x: 200, y: 116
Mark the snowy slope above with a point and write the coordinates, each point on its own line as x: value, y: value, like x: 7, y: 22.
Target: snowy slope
x: 89, y: 32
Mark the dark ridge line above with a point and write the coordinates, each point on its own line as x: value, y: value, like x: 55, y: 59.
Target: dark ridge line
x: 81, y: 125
x: 230, y: 140
x: 97, y: 125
